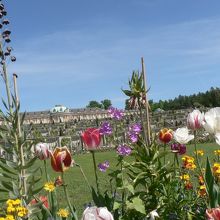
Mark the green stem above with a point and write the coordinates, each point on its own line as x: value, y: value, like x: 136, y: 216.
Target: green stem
x: 67, y: 197
x: 123, y: 191
x: 95, y: 171
x: 5, y: 74
x: 84, y: 176
x: 197, y: 161
x: 45, y: 169
x: 164, y: 150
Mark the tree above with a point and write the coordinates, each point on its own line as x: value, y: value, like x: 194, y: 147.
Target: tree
x: 94, y: 104
x: 106, y: 103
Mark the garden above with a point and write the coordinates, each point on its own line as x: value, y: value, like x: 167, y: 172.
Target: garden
x: 169, y: 174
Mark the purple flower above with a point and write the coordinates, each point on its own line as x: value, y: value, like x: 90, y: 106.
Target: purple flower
x: 135, y: 128
x: 132, y: 137
x: 133, y: 132
x: 103, y: 166
x: 123, y: 150
x: 178, y: 148
x: 116, y: 113
x: 105, y: 129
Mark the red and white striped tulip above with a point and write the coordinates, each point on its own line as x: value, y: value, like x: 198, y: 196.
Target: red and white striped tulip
x: 42, y: 151
x: 195, y: 120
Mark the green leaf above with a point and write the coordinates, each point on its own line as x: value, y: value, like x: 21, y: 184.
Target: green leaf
x: 116, y: 205
x: 7, y: 185
x: 2, y: 166
x: 212, y: 188
x: 29, y: 163
x: 136, y: 204
x: 127, y: 92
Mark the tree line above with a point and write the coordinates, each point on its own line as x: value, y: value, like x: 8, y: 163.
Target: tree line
x: 210, y: 98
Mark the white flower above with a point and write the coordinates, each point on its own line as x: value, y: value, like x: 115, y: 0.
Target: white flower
x: 153, y: 214
x: 212, y: 123
x: 42, y: 151
x: 94, y: 213
x: 195, y: 119
x: 182, y: 136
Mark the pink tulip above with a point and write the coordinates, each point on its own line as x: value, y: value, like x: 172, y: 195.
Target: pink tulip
x: 91, y: 138
x: 213, y: 214
x: 195, y: 120
x: 95, y: 213
x: 42, y: 151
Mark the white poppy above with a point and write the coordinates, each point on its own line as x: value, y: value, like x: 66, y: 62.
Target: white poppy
x: 182, y: 136
x: 212, y: 123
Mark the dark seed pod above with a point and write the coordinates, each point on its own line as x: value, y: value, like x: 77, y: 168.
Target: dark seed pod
x: 6, y: 32
x: 1, y: 26
x: 7, y: 39
x: 2, y: 7
x: 9, y: 49
x: 13, y: 58
x: 2, y: 62
x: 1, y: 15
x: 7, y: 53
x: 5, y: 21
x: 4, y: 13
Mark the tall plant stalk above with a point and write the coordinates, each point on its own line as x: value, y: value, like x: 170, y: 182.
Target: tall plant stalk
x: 95, y: 171
x: 18, y: 136
x: 72, y: 210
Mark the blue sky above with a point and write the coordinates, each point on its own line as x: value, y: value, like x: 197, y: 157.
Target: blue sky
x: 70, y: 52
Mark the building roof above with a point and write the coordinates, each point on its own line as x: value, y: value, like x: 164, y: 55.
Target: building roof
x: 59, y: 108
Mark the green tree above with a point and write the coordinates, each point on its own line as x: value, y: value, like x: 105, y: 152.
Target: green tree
x: 106, y: 103
x: 94, y: 104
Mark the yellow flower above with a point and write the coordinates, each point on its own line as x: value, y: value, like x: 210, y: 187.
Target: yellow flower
x: 63, y: 213
x: 49, y: 186
x: 216, y: 169
x: 1, y: 218
x: 21, y: 211
x: 202, y: 190
x: 9, y: 217
x: 188, y: 162
x: 10, y: 209
x: 217, y: 152
x: 199, y: 152
x: 184, y: 177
